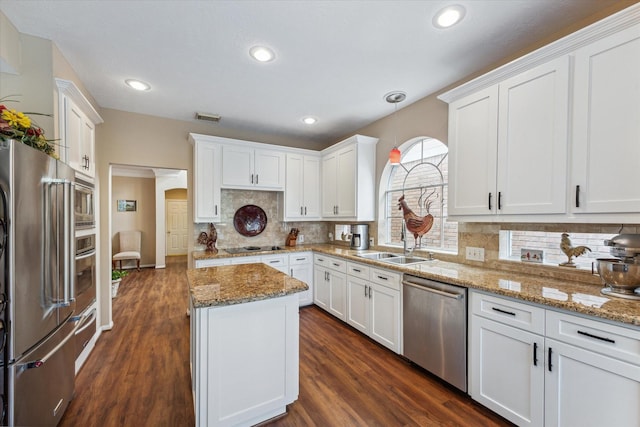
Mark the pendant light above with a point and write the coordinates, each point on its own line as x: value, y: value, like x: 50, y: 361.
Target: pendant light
x: 394, y: 98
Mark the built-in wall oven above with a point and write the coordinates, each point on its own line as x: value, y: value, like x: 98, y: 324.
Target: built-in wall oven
x: 85, y: 289
x: 84, y: 204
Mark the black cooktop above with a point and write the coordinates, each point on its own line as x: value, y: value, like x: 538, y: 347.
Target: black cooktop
x: 249, y: 249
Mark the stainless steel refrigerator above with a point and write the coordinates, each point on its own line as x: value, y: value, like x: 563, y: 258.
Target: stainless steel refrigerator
x: 36, y: 274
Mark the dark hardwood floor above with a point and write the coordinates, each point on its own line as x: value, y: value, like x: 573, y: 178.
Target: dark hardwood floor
x: 138, y: 373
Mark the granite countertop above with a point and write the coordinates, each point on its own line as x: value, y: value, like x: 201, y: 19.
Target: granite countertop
x: 237, y: 284
x: 578, y: 297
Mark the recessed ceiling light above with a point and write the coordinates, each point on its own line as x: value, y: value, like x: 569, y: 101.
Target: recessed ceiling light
x: 137, y: 84
x: 449, y: 16
x: 309, y: 120
x: 262, y: 54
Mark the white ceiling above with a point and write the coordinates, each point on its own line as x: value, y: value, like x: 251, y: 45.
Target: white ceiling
x: 335, y: 60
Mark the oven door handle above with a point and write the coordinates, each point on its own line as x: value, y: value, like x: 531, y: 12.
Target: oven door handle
x: 86, y: 255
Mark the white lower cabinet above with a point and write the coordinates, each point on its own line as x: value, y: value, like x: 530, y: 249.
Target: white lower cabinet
x: 541, y: 367
x: 330, y: 290
x: 373, y: 297
x: 301, y: 268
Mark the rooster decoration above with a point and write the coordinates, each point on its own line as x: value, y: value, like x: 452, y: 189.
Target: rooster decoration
x: 209, y: 239
x: 570, y: 251
x: 418, y: 225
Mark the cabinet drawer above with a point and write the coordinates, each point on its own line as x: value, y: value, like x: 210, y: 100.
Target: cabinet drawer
x: 202, y: 263
x: 386, y: 278
x: 275, y: 260
x: 246, y: 260
x: 519, y: 315
x: 300, y: 258
x: 611, y: 340
x: 331, y: 263
x: 358, y: 270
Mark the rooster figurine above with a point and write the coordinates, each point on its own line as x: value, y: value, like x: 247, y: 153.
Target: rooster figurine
x: 418, y: 225
x: 209, y: 239
x: 570, y: 251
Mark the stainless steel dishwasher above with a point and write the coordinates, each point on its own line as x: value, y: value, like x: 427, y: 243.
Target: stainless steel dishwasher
x: 435, y: 328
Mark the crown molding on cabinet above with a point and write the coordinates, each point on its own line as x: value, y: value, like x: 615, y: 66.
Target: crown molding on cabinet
x: 70, y: 90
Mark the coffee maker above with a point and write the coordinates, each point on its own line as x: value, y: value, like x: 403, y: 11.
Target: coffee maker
x: 359, y: 237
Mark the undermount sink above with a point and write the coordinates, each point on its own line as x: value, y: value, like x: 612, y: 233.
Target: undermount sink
x: 406, y: 260
x: 379, y: 255
x: 392, y: 258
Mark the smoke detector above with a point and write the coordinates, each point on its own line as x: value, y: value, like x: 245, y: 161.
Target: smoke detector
x: 208, y: 117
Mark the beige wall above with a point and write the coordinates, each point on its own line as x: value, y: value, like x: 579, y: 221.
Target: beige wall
x: 142, y: 190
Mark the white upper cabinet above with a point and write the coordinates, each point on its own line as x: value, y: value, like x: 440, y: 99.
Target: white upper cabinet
x: 606, y: 125
x: 348, y: 179
x: 77, y: 124
x: 533, y: 114
x: 552, y: 136
x: 508, y: 145
x: 206, y: 180
x: 473, y: 144
x: 252, y: 168
x: 302, y: 188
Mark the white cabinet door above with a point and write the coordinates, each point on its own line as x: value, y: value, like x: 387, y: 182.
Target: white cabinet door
x: 583, y: 388
x: 304, y: 273
x: 269, y: 169
x: 347, y: 181
x: 358, y: 304
x: 311, y: 187
x: 533, y: 140
x: 473, y: 139
x: 321, y: 292
x: 237, y: 167
x: 206, y: 182
x: 329, y: 186
x: 506, y: 371
x: 294, y: 188
x: 606, y: 129
x: 338, y: 295
x: 79, y: 138
x: 385, y: 316
x: 302, y: 189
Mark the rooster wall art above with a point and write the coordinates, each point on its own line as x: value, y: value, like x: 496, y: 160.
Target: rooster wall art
x: 418, y: 225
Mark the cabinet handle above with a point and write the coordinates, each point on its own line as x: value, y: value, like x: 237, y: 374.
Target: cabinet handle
x: 321, y: 259
x: 305, y: 210
x: 499, y: 200
x: 252, y: 178
x: 365, y: 291
x: 273, y: 262
x: 370, y: 292
x: 336, y: 264
x: 300, y: 210
x: 577, y: 196
x: 535, y: 354
x: 383, y: 278
x: 587, y: 334
x: 356, y: 270
x: 216, y: 209
x: 300, y: 259
x: 257, y: 176
x: 510, y: 313
x: 489, y: 201
x: 291, y: 272
x: 549, y: 364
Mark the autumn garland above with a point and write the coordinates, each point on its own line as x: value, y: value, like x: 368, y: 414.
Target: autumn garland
x: 17, y: 125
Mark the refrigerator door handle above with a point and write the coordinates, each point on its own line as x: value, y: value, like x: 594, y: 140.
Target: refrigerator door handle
x: 40, y: 362
x: 86, y: 321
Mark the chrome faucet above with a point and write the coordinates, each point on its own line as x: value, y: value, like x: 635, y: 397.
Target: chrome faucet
x: 406, y: 251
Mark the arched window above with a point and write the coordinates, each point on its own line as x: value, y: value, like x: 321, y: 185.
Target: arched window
x: 422, y: 177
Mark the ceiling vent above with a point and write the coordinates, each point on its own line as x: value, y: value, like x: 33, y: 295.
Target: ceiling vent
x: 208, y: 117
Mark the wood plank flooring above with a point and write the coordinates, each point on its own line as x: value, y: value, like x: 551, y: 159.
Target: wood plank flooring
x: 138, y: 374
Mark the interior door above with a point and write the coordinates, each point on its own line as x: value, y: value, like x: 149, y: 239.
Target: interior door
x: 177, y: 233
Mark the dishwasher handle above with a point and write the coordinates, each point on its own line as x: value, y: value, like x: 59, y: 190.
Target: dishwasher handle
x: 435, y: 291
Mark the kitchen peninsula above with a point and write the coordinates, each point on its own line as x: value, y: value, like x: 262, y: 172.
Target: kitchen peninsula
x: 244, y: 343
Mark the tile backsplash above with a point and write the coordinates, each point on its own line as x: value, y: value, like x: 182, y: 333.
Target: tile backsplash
x: 274, y: 233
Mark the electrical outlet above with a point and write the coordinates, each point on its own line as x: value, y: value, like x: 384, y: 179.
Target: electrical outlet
x: 371, y: 241
x: 300, y: 238
x: 475, y: 254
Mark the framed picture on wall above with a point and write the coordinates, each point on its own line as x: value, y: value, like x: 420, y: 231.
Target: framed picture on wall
x: 127, y: 205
